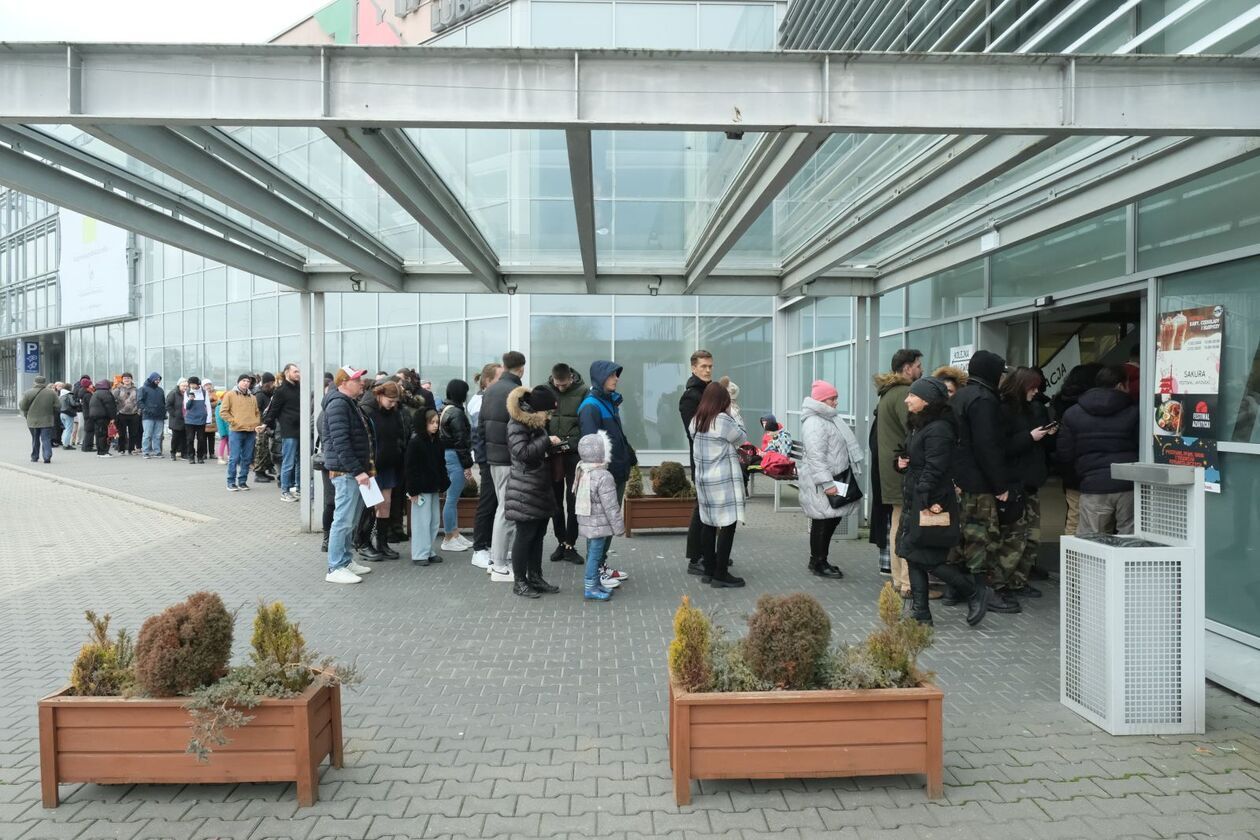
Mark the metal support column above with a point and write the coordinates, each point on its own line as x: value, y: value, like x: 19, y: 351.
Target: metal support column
x: 861, y: 383
x: 312, y: 351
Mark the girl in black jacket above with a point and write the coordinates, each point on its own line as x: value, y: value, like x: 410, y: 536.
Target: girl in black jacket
x: 102, y: 410
x: 528, y: 499
x: 928, y: 491
x: 424, y: 471
x: 381, y: 408
x: 1028, y: 440
x: 456, y: 434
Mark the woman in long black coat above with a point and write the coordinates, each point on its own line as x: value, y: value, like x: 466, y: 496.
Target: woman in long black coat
x: 927, y: 492
x: 528, y: 498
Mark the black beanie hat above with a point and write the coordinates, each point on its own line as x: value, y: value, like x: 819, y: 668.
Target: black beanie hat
x: 987, y: 367
x: 930, y: 389
x: 268, y: 376
x: 457, y: 391
x: 541, y: 399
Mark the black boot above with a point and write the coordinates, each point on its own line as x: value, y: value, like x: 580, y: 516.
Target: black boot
x: 367, y: 550
x: 382, y: 547
x: 696, y: 567
x: 919, y: 610
x: 723, y: 579
x: 819, y: 567
x: 978, y: 604
x: 323, y: 546
x: 558, y: 556
x: 1000, y: 602
x: 523, y: 589
x: 539, y: 585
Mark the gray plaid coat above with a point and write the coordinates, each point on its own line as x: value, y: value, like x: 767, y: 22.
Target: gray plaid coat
x: 719, y: 479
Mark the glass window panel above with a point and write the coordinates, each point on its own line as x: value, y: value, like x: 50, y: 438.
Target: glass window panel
x: 1086, y: 252
x: 435, y: 307
x: 888, y: 345
x: 153, y: 298
x: 486, y: 339
x: 576, y: 340
x: 173, y: 360
x: 561, y: 304
x: 958, y: 291
x: 658, y: 305
x: 735, y: 305
x: 1210, y: 214
x: 214, y: 362
x: 892, y: 308
x: 833, y: 319
x: 238, y: 319
x: 358, y: 310
x: 263, y: 286
x: 654, y: 353
x: 152, y: 332
x: 494, y: 304
x: 238, y: 362
x: 192, y: 289
x: 215, y: 320
x: 799, y: 369
x: 358, y: 348
x: 332, y: 351
x: 289, y: 311
x: 736, y: 27
x: 131, y: 348
x: 442, y: 353
x: 935, y: 342
x: 332, y: 312
x: 214, y: 287
x: 191, y: 357
x: 656, y: 25
x: 192, y: 262
x: 399, y: 309
x: 571, y: 24
x: 240, y: 285
x: 800, y: 327
x: 491, y: 31
x: 1232, y: 572
x: 154, y: 360
x: 265, y: 355
x: 173, y: 290
x: 399, y: 348
x: 290, y: 352
x: 192, y: 325
x: 264, y: 316
x: 835, y: 366
x: 1198, y: 25
x: 743, y: 349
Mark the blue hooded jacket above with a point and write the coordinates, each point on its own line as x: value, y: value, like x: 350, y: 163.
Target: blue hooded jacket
x: 601, y: 411
x: 152, y: 399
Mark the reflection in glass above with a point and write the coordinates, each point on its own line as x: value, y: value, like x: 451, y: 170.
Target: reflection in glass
x: 1214, y: 213
x: 575, y: 340
x: 742, y: 349
x: 442, y: 353
x: 399, y: 348
x: 487, y: 338
x: 1086, y: 252
x: 654, y: 353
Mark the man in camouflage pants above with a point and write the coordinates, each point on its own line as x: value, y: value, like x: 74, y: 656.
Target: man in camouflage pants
x: 979, y: 471
x: 264, y: 456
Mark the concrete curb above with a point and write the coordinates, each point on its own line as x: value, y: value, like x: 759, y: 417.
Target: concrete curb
x: 189, y: 515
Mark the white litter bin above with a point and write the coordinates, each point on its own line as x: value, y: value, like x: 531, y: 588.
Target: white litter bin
x: 1131, y: 621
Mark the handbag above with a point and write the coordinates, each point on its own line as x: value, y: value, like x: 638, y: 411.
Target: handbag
x: 748, y: 455
x: 852, y: 490
x: 927, y: 519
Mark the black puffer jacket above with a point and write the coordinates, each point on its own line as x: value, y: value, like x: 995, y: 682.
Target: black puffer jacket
x: 103, y: 405
x: 284, y: 412
x: 928, y: 481
x: 1026, y: 465
x: 347, y: 439
x: 1100, y: 430
x: 529, y: 494
x: 175, y: 409
x: 494, y: 419
x: 424, y: 466
x: 456, y: 433
x: 387, y: 432
x: 979, y: 465
x: 687, y: 405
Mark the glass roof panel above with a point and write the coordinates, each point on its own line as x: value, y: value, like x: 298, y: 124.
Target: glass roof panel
x: 514, y: 184
x: 654, y: 191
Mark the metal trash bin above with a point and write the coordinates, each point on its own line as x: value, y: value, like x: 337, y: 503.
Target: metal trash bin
x: 1131, y: 615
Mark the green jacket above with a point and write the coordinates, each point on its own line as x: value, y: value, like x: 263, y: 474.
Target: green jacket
x: 38, y: 406
x: 891, y: 419
x: 564, y: 420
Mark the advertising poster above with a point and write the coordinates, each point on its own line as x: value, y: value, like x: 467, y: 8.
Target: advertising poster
x: 1187, y: 389
x: 93, y: 270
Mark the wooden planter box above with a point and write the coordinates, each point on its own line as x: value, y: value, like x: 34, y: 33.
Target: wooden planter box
x: 123, y: 741
x: 656, y: 512
x: 805, y: 734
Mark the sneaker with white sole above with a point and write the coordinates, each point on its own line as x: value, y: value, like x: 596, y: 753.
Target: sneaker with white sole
x: 455, y: 545
x: 359, y: 568
x: 288, y: 497
x: 503, y: 575
x: 615, y: 574
x: 481, y: 559
x: 342, y: 575
x: 465, y: 542
x: 609, y: 583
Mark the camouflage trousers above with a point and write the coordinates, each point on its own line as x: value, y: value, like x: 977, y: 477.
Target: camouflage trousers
x: 977, y: 548
x: 265, y: 458
x: 1017, y: 550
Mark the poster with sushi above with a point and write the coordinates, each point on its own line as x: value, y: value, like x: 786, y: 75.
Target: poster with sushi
x: 1187, y: 388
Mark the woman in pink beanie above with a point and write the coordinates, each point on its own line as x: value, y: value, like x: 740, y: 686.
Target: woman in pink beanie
x: 830, y: 449
x: 823, y: 391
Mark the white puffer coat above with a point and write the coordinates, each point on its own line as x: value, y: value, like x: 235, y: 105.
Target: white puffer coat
x: 830, y: 448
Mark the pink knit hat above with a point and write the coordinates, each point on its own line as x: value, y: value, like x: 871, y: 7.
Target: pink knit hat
x: 822, y: 391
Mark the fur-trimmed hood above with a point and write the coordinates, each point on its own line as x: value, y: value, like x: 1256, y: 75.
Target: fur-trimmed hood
x: 519, y: 409
x: 595, y: 448
x: 951, y: 372
x: 884, y: 381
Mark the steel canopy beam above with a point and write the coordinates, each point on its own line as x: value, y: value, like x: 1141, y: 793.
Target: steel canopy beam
x: 769, y: 168
x: 915, y: 194
x: 583, y: 179
x: 169, y: 152
x: 1110, y: 190
x: 28, y: 175
x: 111, y: 176
x: 396, y: 165
x: 350, y: 85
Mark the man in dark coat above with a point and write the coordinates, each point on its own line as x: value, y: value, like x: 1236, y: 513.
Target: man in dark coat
x: 283, y: 416
x: 569, y: 389
x: 264, y: 458
x: 1101, y: 430
x: 348, y: 458
x: 701, y: 376
x: 494, y: 422
x: 487, y: 500
x: 891, y: 425
x: 175, y: 419
x: 980, y: 471
x: 152, y: 402
x: 83, y: 393
x: 39, y: 405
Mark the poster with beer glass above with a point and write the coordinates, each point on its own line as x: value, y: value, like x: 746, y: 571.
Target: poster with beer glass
x: 1187, y: 388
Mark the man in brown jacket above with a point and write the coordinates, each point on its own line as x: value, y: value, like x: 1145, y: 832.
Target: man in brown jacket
x: 239, y: 410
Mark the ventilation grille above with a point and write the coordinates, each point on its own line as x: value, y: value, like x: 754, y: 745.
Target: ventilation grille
x: 1085, y: 631
x: 1152, y: 641
x: 1163, y: 512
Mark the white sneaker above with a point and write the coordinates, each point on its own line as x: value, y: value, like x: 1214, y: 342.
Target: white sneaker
x: 503, y: 575
x: 455, y: 545
x: 609, y: 582
x: 481, y: 559
x: 467, y: 543
x: 358, y: 568
x: 342, y: 575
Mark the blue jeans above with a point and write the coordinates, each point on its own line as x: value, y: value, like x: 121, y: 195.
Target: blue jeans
x: 151, y: 443
x: 424, y: 525
x: 596, y: 551
x: 67, y: 429
x: 41, y: 439
x: 240, y: 456
x: 289, y: 464
x: 347, y: 505
x: 450, y: 510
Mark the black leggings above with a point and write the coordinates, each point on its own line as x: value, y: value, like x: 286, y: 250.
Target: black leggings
x: 695, y: 550
x: 487, y: 504
x: 715, y: 547
x: 102, y: 437
x: 527, y: 548
x: 195, y: 443
x: 177, y: 442
x: 128, y: 426
x: 820, y: 533
x: 330, y: 500
x: 962, y: 582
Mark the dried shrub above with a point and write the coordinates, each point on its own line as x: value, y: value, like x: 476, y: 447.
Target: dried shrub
x: 888, y: 658
x: 731, y: 671
x: 690, y: 653
x: 787, y: 635
x: 669, y: 481
x: 103, y: 666
x: 634, y: 485
x: 184, y: 647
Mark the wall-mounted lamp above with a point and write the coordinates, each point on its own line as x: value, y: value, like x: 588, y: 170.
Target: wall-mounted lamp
x: 356, y: 283
x: 654, y: 287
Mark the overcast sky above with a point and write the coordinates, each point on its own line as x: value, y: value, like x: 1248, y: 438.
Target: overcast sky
x: 230, y: 21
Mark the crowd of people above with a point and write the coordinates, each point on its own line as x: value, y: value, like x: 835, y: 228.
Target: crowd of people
x: 956, y: 460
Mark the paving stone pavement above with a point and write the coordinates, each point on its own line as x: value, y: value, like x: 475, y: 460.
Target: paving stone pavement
x: 485, y: 715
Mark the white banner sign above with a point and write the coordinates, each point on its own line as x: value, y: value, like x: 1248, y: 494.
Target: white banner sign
x: 1057, y: 369
x: 961, y: 355
x: 92, y: 270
